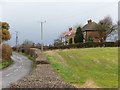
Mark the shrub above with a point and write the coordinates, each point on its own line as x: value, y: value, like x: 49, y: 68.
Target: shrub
x: 117, y: 43
x: 109, y: 44
x: 86, y: 45
x: 6, y: 52
x: 70, y: 41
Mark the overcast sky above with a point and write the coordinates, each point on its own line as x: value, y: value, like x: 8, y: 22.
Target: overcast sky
x: 24, y: 16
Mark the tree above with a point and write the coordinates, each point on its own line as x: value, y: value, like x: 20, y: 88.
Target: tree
x: 4, y: 31
x: 105, y: 27
x: 4, y: 36
x: 58, y: 42
x: 79, y: 35
x: 5, y: 25
x: 70, y: 41
x: 27, y: 45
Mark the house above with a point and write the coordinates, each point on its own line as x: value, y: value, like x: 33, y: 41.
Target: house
x: 90, y: 32
x: 69, y: 35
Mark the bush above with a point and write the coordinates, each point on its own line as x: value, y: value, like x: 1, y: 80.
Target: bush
x: 109, y: 44
x: 117, y: 43
x: 6, y: 52
x: 86, y: 45
x: 70, y: 41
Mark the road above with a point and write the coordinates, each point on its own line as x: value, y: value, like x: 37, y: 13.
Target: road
x: 20, y: 68
x: 43, y: 76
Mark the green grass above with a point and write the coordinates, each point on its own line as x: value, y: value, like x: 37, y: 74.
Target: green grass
x: 5, y: 63
x: 28, y: 56
x: 76, y: 66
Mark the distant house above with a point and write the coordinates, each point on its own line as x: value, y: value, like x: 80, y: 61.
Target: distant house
x: 70, y: 34
x: 90, y: 32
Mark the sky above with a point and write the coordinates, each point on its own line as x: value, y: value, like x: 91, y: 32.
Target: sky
x: 25, y: 16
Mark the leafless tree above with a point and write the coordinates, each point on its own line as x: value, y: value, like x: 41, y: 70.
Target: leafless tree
x: 105, y: 27
x: 27, y: 45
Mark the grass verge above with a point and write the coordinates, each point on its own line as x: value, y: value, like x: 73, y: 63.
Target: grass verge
x: 89, y: 67
x: 5, y: 63
x: 29, y: 57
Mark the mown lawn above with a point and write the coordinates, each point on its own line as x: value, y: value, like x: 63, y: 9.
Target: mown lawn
x: 91, y: 67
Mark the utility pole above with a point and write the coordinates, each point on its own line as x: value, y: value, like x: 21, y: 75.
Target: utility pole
x: 0, y: 33
x: 41, y: 23
x: 16, y: 40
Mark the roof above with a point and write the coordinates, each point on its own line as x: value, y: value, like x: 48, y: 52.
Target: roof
x: 90, y: 26
x: 70, y: 32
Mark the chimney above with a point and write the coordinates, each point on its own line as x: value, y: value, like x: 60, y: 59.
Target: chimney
x: 89, y: 21
x: 70, y: 29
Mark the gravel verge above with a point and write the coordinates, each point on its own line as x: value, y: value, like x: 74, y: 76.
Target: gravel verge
x: 43, y: 76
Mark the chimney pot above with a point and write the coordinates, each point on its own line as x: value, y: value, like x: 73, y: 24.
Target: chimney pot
x: 89, y: 21
x: 70, y: 29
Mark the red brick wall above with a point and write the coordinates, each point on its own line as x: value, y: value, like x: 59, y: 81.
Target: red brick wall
x: 93, y: 34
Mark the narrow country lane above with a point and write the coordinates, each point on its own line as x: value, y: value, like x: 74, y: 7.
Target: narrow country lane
x: 43, y: 76
x: 20, y: 68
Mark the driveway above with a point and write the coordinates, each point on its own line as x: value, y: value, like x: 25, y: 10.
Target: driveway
x: 19, y: 69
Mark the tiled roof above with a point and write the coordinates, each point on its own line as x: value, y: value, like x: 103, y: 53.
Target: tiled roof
x: 90, y: 26
x: 68, y: 33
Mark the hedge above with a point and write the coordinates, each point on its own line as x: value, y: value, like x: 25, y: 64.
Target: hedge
x: 78, y: 45
x: 86, y: 45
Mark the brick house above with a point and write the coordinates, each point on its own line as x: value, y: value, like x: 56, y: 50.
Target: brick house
x: 90, y: 32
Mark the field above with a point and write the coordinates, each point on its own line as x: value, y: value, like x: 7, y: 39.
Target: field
x: 88, y: 67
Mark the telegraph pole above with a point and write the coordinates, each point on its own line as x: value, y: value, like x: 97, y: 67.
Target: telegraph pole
x: 16, y: 40
x: 41, y: 23
x: 0, y: 33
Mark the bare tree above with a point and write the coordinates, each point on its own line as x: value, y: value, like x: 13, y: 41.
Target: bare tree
x: 58, y: 42
x: 27, y: 45
x: 118, y: 30
x: 105, y: 27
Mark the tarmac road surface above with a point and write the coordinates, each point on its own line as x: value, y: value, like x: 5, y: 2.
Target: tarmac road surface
x: 19, y: 69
